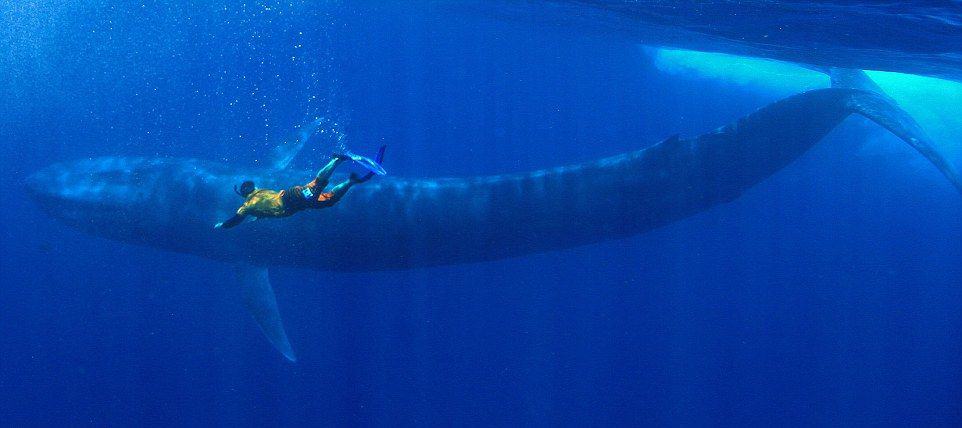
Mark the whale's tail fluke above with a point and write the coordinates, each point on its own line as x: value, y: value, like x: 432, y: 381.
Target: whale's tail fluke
x: 794, y: 124
x: 881, y: 110
x: 885, y: 111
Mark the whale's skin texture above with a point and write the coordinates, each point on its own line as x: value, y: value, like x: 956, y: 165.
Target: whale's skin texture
x: 906, y: 37
x: 399, y: 223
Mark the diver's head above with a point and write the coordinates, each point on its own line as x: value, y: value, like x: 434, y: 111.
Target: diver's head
x: 245, y: 188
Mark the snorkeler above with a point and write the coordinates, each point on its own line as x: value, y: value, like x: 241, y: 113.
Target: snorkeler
x: 262, y: 203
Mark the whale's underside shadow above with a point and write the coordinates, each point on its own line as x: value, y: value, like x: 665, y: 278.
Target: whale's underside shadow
x: 407, y: 223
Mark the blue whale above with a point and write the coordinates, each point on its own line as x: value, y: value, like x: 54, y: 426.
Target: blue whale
x: 401, y: 223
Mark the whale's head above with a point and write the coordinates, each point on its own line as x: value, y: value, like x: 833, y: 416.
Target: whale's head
x: 132, y: 199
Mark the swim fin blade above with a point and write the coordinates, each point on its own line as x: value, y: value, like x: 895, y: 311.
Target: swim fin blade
x: 372, y: 165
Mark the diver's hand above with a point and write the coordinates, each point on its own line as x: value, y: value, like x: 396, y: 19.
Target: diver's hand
x: 219, y: 225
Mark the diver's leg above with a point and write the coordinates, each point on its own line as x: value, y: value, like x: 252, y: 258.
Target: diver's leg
x: 338, y: 191
x: 324, y: 175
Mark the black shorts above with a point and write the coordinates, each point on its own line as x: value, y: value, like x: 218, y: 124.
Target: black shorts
x: 306, y: 197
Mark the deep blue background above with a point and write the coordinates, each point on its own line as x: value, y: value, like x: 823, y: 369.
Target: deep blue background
x: 828, y: 294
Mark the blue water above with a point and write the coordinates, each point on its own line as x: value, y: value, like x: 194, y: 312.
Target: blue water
x: 827, y: 295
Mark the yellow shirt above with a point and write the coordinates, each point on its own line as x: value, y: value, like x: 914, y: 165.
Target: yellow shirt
x: 264, y: 203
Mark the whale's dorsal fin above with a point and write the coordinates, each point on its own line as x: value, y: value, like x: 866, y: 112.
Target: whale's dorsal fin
x: 255, y: 288
x: 285, y: 152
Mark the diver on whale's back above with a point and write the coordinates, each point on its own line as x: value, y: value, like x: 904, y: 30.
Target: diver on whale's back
x: 262, y: 203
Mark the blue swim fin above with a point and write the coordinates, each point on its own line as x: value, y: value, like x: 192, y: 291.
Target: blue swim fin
x: 374, y: 166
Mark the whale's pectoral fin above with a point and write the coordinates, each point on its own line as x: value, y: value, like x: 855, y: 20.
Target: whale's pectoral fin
x: 255, y: 287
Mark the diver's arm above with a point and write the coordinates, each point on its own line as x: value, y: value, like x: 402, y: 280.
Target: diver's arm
x: 231, y: 222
